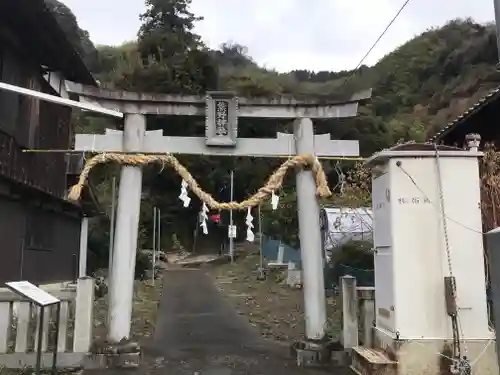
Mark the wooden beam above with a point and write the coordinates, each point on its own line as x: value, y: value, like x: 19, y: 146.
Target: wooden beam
x: 59, y: 100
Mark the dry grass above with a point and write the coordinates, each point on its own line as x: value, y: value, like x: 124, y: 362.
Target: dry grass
x: 270, y: 305
x: 144, y: 311
x: 490, y: 194
x: 490, y: 188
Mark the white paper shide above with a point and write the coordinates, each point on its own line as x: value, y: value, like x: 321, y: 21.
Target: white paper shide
x: 248, y: 222
x: 204, y: 218
x: 275, y: 199
x: 183, y: 196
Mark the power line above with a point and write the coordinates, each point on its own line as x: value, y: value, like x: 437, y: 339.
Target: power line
x: 375, y: 44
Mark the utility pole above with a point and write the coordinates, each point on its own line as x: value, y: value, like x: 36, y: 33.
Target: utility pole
x: 496, y: 5
x: 261, y: 254
x: 154, y: 245
x: 158, y: 242
x: 231, y: 239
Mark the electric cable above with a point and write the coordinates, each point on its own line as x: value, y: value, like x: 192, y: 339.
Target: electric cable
x: 353, y: 73
x: 436, y: 206
x: 487, y: 278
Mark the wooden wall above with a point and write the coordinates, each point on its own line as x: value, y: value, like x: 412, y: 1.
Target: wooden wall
x: 38, y: 245
x: 39, y: 232
x: 27, y: 123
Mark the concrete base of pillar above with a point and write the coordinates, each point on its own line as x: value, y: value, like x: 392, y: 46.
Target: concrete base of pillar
x: 125, y: 354
x: 312, y: 353
x: 118, y: 361
x: 422, y: 356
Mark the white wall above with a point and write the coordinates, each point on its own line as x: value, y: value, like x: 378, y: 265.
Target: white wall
x: 57, y: 82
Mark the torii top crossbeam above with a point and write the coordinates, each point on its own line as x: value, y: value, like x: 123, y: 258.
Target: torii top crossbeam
x: 190, y: 105
x: 221, y: 111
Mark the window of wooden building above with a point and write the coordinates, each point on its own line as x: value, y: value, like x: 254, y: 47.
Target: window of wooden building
x: 40, y: 230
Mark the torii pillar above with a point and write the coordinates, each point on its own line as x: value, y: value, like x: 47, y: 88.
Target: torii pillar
x: 311, y: 249
x: 122, y: 272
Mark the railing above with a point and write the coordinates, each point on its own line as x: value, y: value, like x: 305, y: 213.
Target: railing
x: 27, y: 122
x: 358, y: 313
x: 43, y: 171
x: 19, y: 325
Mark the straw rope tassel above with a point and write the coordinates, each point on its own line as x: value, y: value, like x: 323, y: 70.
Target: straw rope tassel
x: 273, y: 183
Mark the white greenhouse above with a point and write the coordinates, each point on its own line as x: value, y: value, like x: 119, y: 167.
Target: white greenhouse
x: 343, y: 224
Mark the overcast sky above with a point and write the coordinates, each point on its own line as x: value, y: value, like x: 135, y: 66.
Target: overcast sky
x: 291, y: 34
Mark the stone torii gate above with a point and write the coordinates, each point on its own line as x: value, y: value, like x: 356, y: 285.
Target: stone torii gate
x: 221, y: 110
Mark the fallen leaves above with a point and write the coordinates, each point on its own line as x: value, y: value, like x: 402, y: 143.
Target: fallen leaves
x: 269, y: 305
x: 144, y: 310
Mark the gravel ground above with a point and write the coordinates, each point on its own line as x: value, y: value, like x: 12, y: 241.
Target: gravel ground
x: 269, y: 305
x: 144, y: 312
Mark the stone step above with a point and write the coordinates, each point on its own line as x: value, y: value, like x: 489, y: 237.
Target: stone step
x: 367, y: 361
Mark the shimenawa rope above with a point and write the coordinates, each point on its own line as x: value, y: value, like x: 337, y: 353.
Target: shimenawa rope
x: 274, y: 182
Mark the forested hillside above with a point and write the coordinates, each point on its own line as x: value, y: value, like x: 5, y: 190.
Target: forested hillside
x: 417, y: 89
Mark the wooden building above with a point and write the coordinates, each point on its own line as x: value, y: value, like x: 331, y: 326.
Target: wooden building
x: 39, y: 228
x: 481, y: 118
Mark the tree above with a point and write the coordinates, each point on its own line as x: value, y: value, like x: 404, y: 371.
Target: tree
x: 78, y: 38
x: 172, y: 58
x: 233, y: 54
x: 167, y: 28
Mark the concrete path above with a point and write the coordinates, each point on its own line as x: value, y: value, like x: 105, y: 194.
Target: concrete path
x: 199, y: 332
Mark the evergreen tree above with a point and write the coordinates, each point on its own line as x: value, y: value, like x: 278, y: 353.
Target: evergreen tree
x: 167, y: 29
x: 171, y: 57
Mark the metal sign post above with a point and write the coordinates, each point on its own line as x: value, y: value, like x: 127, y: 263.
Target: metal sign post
x: 41, y: 299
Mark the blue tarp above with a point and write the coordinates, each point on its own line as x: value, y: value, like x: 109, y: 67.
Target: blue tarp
x: 332, y: 272
x: 270, y: 251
